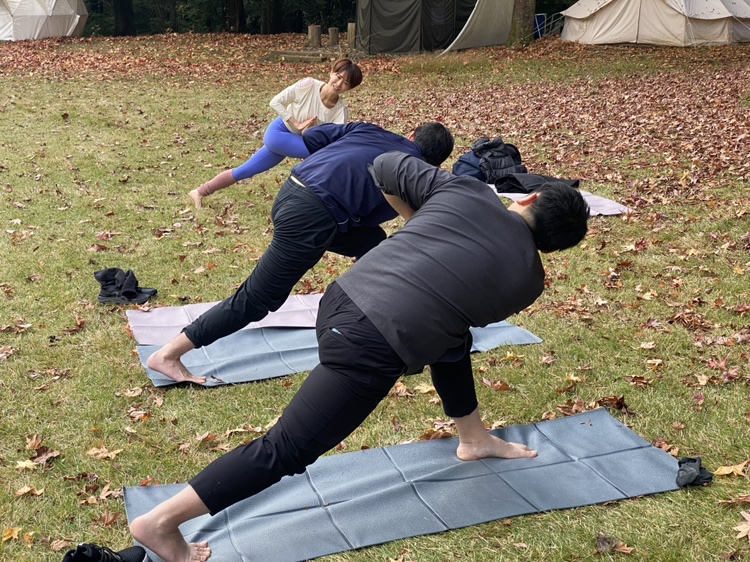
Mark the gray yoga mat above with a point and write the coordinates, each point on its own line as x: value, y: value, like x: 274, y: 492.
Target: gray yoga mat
x: 597, y: 205
x: 264, y: 353
x: 353, y: 500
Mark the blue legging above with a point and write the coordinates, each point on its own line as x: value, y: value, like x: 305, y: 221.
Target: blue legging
x: 279, y: 142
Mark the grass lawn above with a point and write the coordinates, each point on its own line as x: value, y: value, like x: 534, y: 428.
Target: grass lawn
x: 101, y: 139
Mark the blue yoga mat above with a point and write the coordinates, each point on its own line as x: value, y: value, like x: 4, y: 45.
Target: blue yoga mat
x: 363, y: 498
x: 264, y: 353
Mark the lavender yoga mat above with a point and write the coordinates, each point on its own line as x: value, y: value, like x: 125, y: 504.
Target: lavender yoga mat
x: 159, y: 326
x: 597, y: 205
x: 352, y: 500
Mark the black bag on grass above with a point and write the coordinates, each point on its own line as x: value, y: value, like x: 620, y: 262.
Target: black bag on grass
x: 489, y: 160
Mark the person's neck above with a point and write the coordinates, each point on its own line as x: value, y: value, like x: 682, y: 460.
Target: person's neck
x: 328, y: 96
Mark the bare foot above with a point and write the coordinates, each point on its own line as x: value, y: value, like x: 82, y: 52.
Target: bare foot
x: 168, y: 543
x: 197, y: 198
x: 494, y: 447
x: 172, y: 368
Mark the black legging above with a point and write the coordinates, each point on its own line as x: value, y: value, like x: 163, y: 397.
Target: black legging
x: 303, y: 231
x: 357, y: 370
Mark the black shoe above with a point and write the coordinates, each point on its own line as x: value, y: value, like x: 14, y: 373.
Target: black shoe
x: 121, y: 287
x: 87, y: 552
x: 118, y: 298
x: 138, y: 288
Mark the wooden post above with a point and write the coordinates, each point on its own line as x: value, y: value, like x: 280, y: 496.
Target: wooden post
x: 351, y: 34
x: 313, y: 36
x: 333, y: 36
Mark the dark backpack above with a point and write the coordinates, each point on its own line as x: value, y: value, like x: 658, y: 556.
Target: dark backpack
x: 489, y: 160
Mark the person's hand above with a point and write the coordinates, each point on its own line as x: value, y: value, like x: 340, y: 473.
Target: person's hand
x: 307, y: 124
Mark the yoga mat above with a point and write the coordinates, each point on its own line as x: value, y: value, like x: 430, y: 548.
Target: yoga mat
x: 159, y: 326
x: 597, y: 205
x: 363, y: 498
x: 264, y: 353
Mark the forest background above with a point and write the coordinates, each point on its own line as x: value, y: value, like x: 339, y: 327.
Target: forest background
x: 147, y: 17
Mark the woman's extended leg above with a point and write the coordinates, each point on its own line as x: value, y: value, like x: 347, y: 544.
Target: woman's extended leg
x: 279, y: 142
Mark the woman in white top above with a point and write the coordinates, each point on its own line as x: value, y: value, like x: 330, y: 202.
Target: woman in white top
x: 302, y: 105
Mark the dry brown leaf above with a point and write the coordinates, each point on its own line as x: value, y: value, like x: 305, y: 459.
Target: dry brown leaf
x: 737, y: 500
x: 744, y: 527
x: 737, y: 469
x: 11, y: 534
x: 29, y: 491
x: 102, y: 453
x: 26, y: 465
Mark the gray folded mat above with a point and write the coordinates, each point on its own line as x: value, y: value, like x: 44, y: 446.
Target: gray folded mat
x: 363, y: 498
x: 283, y: 343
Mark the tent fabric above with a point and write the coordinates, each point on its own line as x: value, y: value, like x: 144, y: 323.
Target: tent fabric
x: 488, y: 24
x: 38, y: 19
x: 409, y: 26
x: 658, y: 22
x: 362, y: 498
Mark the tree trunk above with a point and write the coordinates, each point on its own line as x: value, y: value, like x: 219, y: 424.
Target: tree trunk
x: 272, y: 17
x: 236, y: 16
x: 124, y: 18
x: 173, y: 16
x: 522, y: 23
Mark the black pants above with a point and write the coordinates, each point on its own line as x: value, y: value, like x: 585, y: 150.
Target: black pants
x: 303, y: 231
x: 357, y: 370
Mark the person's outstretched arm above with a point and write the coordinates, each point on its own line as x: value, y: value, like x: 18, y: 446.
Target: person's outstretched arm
x: 407, y: 178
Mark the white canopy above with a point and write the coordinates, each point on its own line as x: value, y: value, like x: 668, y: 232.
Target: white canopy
x: 37, y: 19
x: 658, y: 22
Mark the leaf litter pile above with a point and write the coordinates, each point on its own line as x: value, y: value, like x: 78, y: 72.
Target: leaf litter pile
x: 663, y: 131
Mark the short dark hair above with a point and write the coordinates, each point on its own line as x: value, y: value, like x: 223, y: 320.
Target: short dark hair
x: 351, y: 70
x: 434, y: 141
x: 559, y: 217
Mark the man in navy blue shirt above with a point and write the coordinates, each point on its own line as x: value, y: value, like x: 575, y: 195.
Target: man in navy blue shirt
x: 329, y: 203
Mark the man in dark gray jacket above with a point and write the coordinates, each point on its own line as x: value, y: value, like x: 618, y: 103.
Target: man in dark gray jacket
x: 463, y: 259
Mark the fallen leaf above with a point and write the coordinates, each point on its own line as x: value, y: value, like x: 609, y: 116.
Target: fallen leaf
x: 29, y: 491
x: 108, y: 518
x: 26, y: 465
x: 737, y: 500
x: 102, y: 453
x: 60, y: 544
x: 11, y: 534
x: 744, y: 527
x: 737, y: 469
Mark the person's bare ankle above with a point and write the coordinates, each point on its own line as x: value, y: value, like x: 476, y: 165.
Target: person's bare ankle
x: 197, y: 198
x: 172, y: 368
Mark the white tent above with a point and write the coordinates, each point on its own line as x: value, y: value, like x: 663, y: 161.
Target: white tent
x: 658, y: 22
x: 37, y: 19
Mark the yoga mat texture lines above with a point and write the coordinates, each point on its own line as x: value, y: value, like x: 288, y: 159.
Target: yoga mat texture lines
x: 363, y: 498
